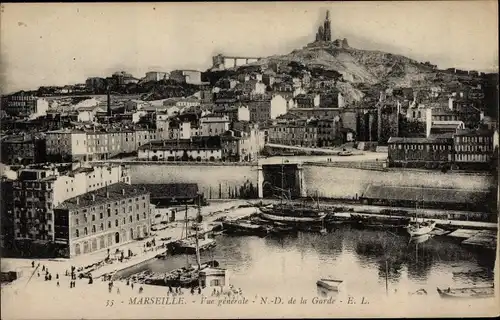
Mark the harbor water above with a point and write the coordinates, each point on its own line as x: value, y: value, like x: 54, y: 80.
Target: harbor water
x: 363, y: 259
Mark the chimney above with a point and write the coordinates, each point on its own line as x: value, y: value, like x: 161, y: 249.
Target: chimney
x: 107, y: 194
x: 93, y: 198
x: 123, y: 191
x: 77, y: 200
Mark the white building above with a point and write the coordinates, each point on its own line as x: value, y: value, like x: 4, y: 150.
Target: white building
x: 214, y: 126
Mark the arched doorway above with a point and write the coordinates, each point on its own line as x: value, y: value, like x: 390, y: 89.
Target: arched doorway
x: 117, y: 237
x: 86, y: 247
x: 77, y: 249
x: 110, y: 239
x: 101, y: 242
x: 145, y: 231
x: 138, y: 231
x: 131, y: 233
x: 94, y: 244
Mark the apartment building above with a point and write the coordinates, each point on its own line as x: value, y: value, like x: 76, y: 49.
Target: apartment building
x: 38, y: 189
x: 101, y: 219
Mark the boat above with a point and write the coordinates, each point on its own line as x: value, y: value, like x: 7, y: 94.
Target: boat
x: 378, y: 222
x: 344, y: 153
x: 331, y: 284
x: 188, y: 245
x: 416, y: 228
x: 467, y: 293
x: 189, y: 276
x: 243, y: 227
x: 291, y: 214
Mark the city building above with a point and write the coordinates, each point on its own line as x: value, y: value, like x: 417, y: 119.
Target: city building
x: 267, y: 109
x: 303, y: 133
x: 432, y: 152
x: 194, y: 149
x: 242, y: 143
x: 234, y: 113
x: 186, y: 76
x: 23, y: 149
x: 307, y: 101
x: 88, y: 114
x: 69, y: 145
x: 474, y: 149
x: 25, y: 105
x: 101, y: 219
x: 156, y: 76
x: 211, y: 125
x: 38, y: 189
x: 317, y: 113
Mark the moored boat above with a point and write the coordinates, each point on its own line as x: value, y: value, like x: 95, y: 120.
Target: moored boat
x: 331, y: 284
x: 467, y: 293
x: 416, y: 228
x: 242, y: 227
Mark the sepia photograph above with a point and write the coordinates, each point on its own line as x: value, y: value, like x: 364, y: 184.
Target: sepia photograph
x: 204, y: 160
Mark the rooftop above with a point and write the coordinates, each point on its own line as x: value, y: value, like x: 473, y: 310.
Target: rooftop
x: 170, y: 190
x: 430, y: 139
x: 104, y: 195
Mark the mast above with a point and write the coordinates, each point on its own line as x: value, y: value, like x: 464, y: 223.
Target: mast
x: 186, y: 226
x: 282, y: 183
x: 196, y: 237
x: 386, y: 277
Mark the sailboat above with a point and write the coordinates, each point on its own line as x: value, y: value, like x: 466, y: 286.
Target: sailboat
x: 288, y: 213
x: 416, y: 228
x: 189, y: 276
x: 189, y: 245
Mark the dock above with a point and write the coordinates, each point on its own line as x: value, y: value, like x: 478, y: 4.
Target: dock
x: 485, y: 238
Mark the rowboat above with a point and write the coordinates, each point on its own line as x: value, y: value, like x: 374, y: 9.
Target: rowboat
x: 467, y: 293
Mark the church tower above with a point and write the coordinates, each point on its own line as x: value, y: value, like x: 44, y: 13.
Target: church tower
x: 327, y: 32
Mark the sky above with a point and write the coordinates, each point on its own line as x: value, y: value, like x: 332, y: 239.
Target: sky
x: 58, y: 44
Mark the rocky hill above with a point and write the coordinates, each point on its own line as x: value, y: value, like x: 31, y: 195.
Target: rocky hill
x: 363, y: 68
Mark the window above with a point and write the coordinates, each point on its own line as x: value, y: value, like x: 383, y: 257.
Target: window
x: 85, y: 217
x: 85, y: 231
x: 109, y: 224
x: 102, y: 227
x: 116, y: 223
x: 124, y: 220
x: 116, y: 212
x: 93, y: 228
x: 76, y: 221
x: 77, y: 233
x: 130, y: 218
x: 144, y: 215
x: 93, y: 217
x: 138, y: 218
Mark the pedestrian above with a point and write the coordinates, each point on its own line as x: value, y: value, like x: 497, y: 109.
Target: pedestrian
x: 128, y: 282
x: 169, y: 288
x: 199, y: 290
x: 58, y: 283
x: 43, y: 268
x: 57, y: 275
x: 140, y: 289
x: 46, y: 277
x: 71, y: 284
x: 132, y: 285
x: 118, y: 290
x: 192, y: 290
x: 32, y: 264
x: 38, y: 274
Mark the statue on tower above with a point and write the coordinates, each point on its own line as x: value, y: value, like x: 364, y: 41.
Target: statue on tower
x: 324, y: 31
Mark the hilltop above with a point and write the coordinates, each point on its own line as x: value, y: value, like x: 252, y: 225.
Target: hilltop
x: 360, y: 69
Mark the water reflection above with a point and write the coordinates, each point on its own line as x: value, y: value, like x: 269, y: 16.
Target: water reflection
x: 291, y: 265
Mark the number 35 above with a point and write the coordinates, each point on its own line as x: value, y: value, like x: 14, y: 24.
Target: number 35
x: 109, y: 303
